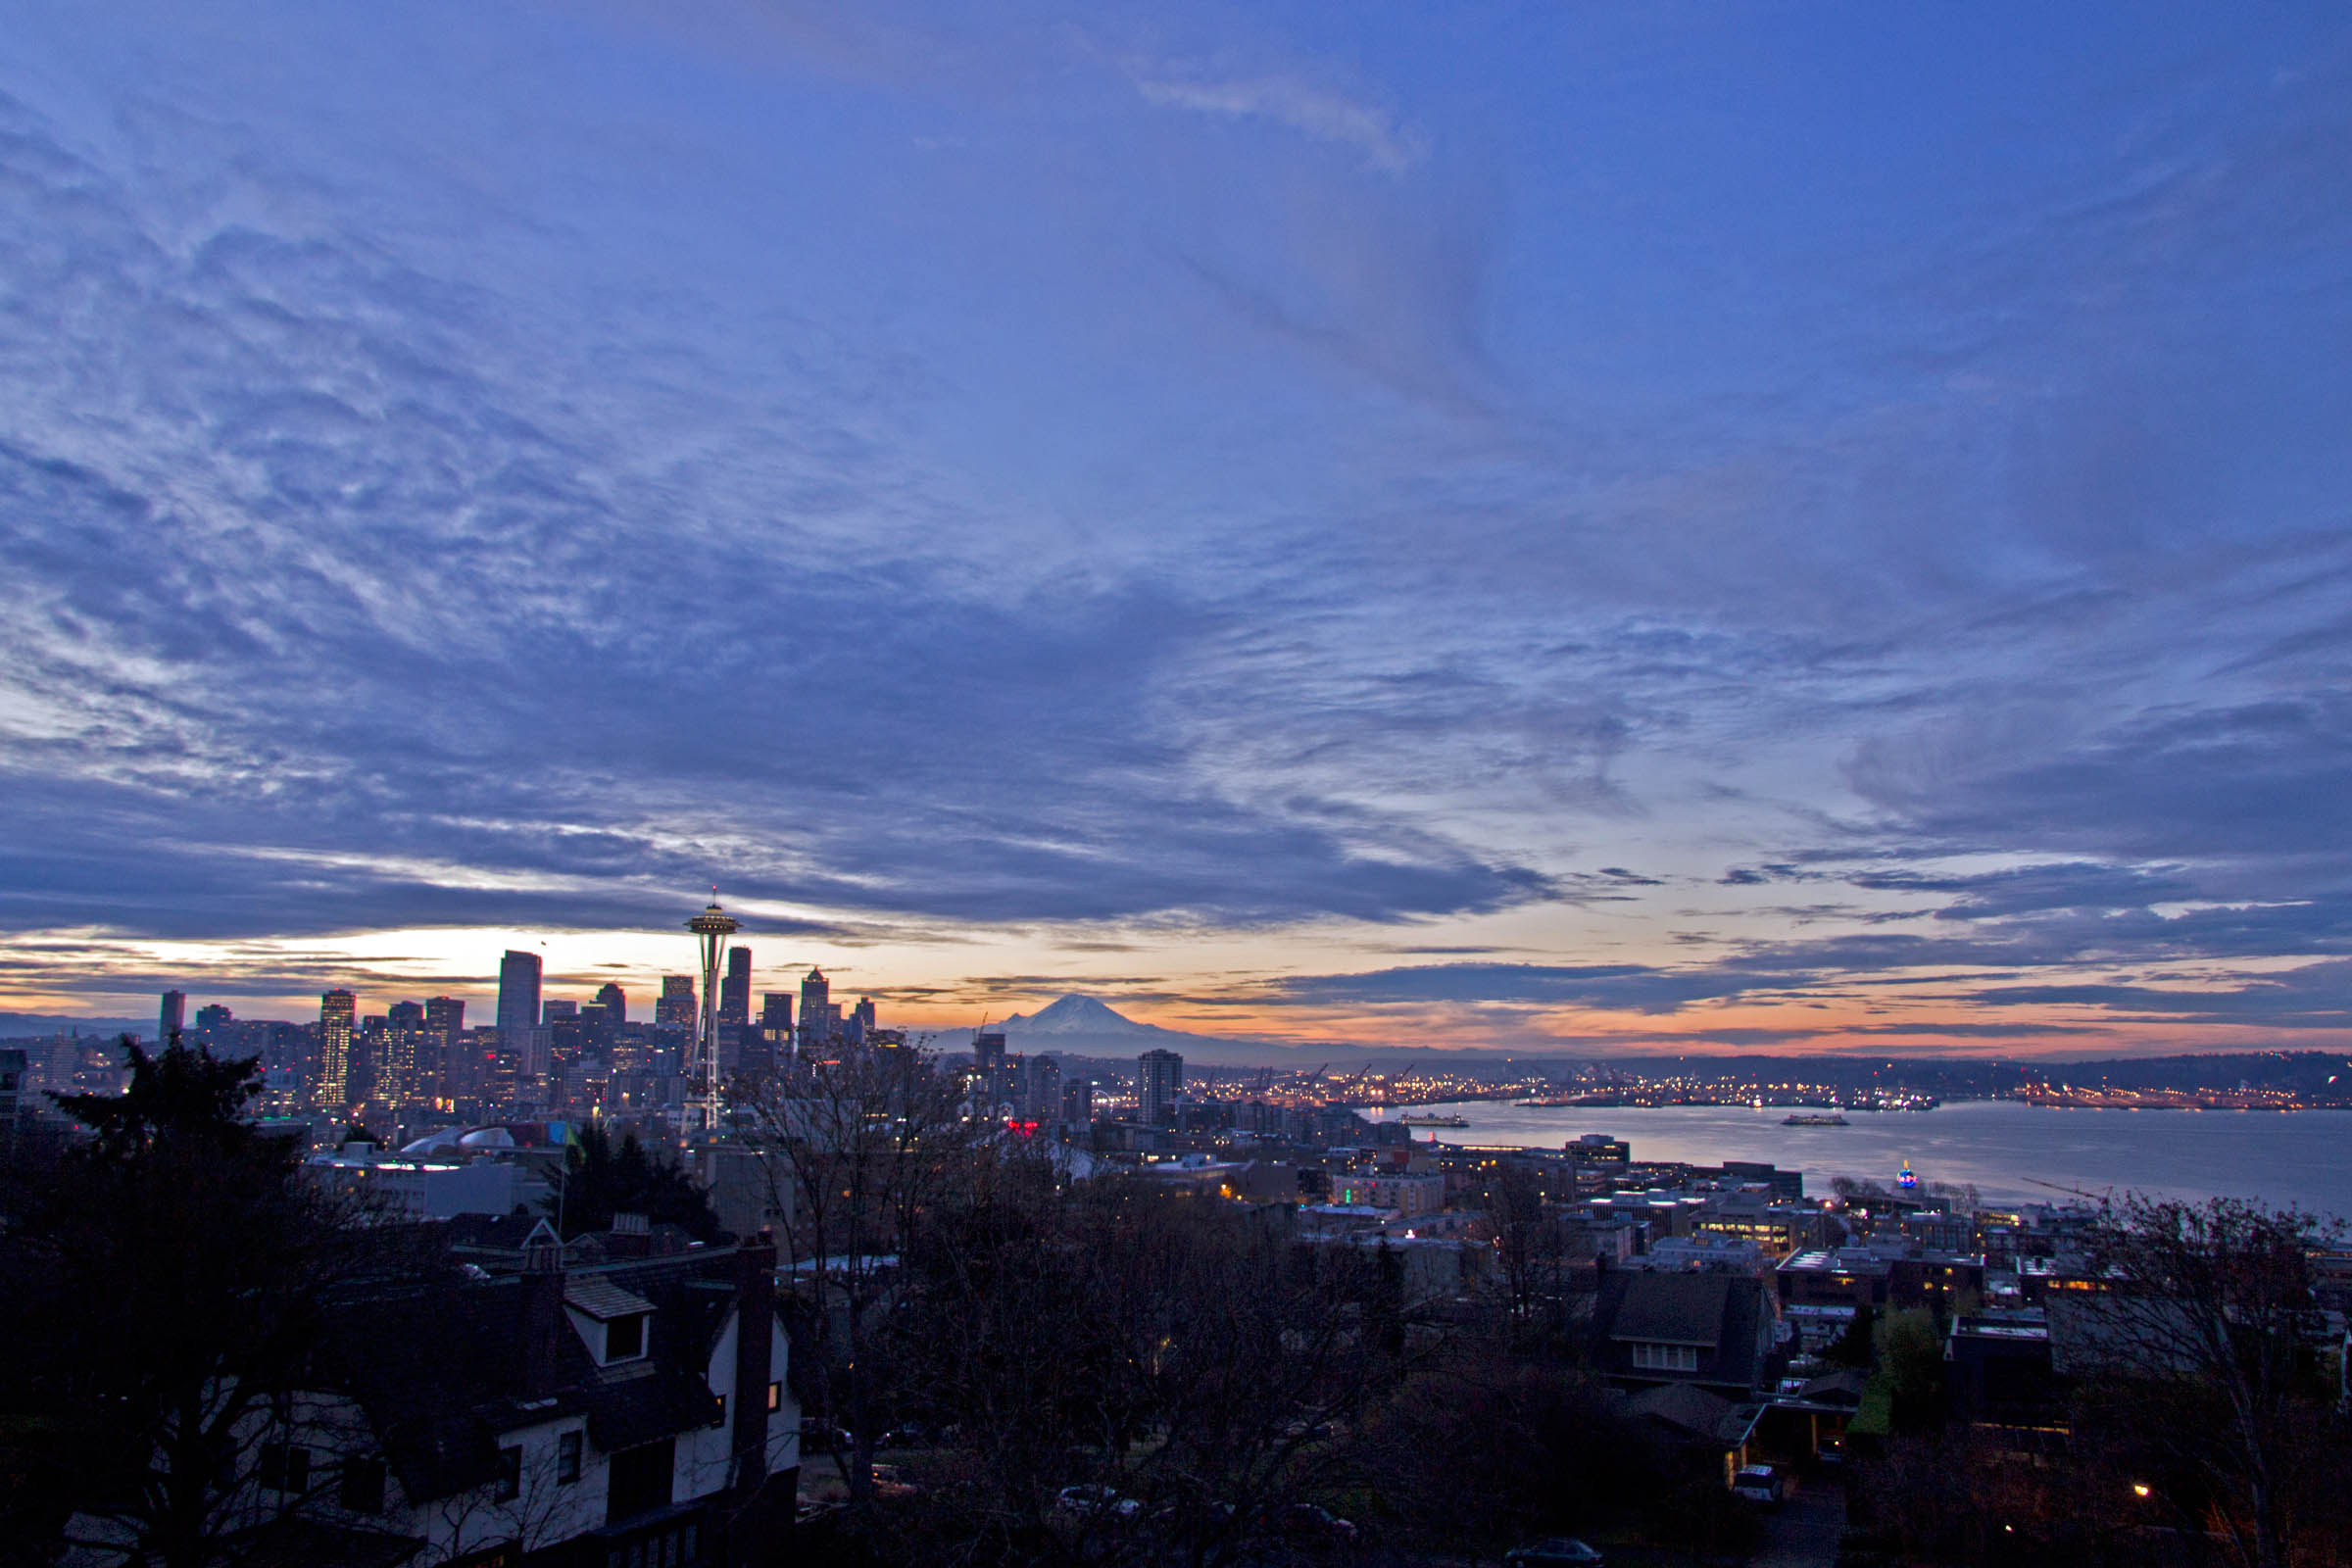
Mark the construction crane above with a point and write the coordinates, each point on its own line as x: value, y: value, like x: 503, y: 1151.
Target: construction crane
x: 2076, y: 1191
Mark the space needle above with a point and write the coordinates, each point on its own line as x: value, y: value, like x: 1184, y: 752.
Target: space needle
x: 713, y: 926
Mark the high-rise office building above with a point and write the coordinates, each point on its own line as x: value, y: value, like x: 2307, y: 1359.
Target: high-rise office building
x: 1159, y: 1080
x: 338, y: 1014
x: 445, y: 1017
x: 444, y: 1076
x: 517, y: 1000
x: 817, y: 1008
x: 1041, y: 1089
x: 615, y: 1001
x: 991, y: 1082
x: 677, y: 1008
x: 172, y: 1015
x: 735, y: 991
x: 776, y: 1028
x: 1078, y: 1102
x: 212, y: 1019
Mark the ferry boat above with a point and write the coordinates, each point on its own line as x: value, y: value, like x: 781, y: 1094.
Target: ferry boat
x: 1805, y: 1119
x: 1409, y: 1119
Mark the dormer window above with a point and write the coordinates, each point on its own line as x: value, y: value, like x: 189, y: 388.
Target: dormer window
x: 612, y: 1321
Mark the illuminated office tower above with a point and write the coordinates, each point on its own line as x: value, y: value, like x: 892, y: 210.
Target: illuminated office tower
x: 169, y: 1020
x: 735, y: 994
x: 712, y: 928
x: 675, y: 1009
x: 615, y: 1001
x: 990, y: 1075
x: 338, y: 1011
x: 1159, y: 1080
x: 518, y: 1001
x: 775, y: 1029
x: 1041, y: 1089
x: 816, y: 1007
x: 213, y: 1021
x: 445, y: 1027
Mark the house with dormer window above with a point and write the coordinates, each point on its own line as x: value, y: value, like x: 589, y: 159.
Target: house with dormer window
x: 629, y: 1414
x: 1712, y: 1331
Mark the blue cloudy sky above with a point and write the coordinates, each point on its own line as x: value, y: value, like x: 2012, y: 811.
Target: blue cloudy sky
x: 1821, y: 526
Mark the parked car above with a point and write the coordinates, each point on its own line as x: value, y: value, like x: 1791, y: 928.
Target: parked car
x: 1552, y: 1551
x: 822, y: 1437
x: 1760, y: 1484
x: 1314, y: 1524
x: 1090, y: 1501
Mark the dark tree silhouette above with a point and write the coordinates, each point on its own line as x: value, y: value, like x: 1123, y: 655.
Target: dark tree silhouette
x: 602, y: 1180
x: 165, y: 1280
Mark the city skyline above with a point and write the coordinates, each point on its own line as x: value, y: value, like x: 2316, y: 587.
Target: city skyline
x: 1804, y: 530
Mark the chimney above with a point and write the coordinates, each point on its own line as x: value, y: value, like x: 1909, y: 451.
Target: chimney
x: 755, y: 1368
x: 632, y: 1236
x: 541, y: 1311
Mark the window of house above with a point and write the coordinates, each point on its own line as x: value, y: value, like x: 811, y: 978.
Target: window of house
x: 1666, y: 1358
x: 775, y: 1397
x: 567, y: 1457
x: 284, y: 1467
x: 509, y: 1473
x: 362, y: 1490
x: 719, y: 1409
x: 625, y: 1337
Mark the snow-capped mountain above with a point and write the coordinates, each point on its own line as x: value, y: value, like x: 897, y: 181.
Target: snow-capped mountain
x: 1078, y: 1015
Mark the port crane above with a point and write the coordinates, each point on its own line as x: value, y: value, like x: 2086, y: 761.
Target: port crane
x: 2076, y: 1191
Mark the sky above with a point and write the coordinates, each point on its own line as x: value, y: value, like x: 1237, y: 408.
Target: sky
x: 1555, y: 528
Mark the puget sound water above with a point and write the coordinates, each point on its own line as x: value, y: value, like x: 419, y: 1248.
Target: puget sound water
x: 2006, y: 1149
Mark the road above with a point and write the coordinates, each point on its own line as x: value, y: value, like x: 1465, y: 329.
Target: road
x: 1803, y: 1532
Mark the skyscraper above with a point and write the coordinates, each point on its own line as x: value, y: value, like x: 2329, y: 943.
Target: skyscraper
x: 675, y: 1009
x: 775, y: 1026
x: 990, y: 1077
x: 447, y: 1076
x: 815, y: 1009
x: 170, y: 1018
x: 1041, y: 1089
x: 735, y: 994
x: 1159, y: 1080
x: 615, y: 1001
x: 338, y: 1013
x: 517, y: 1000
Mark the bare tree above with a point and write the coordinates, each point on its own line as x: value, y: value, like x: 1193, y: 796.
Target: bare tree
x: 857, y: 1148
x: 2210, y: 1304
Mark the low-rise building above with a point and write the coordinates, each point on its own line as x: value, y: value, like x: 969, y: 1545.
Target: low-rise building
x: 634, y: 1413
x: 1714, y: 1330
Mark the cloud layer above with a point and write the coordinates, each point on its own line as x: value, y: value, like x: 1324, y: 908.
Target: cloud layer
x: 1231, y: 491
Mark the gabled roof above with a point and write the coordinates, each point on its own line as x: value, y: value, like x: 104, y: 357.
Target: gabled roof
x: 602, y: 1300
x: 1696, y: 1413
x: 1673, y: 1309
x: 1843, y: 1387
x: 1722, y: 1313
